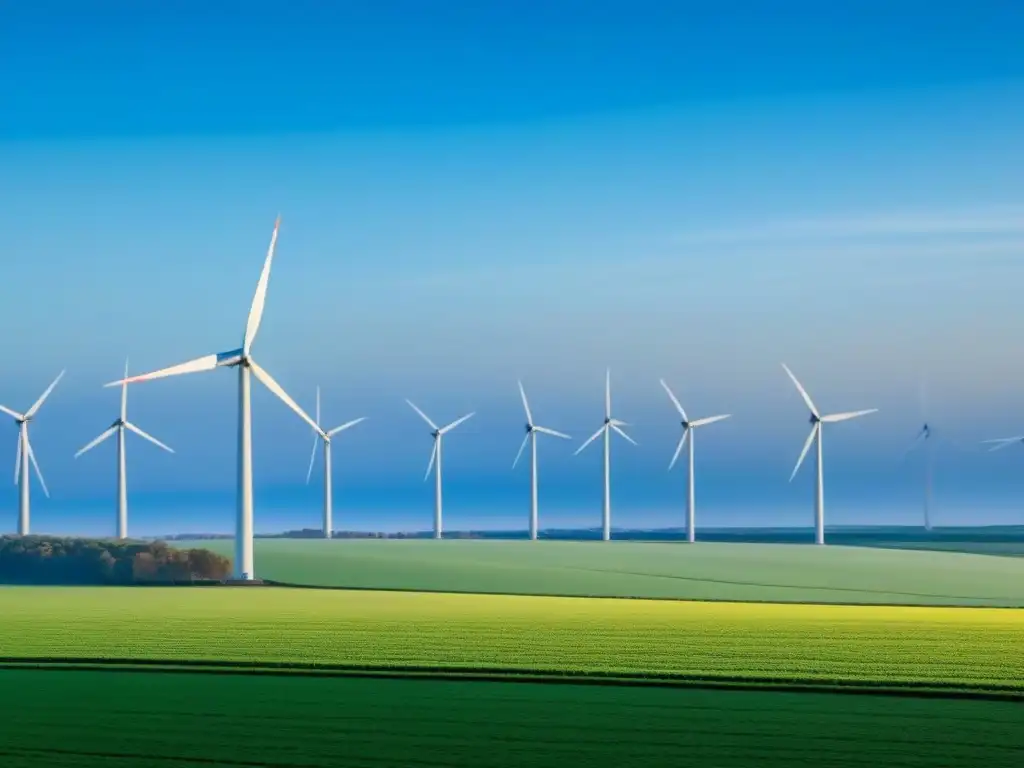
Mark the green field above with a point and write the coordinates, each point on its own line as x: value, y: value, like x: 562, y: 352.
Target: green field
x: 110, y: 720
x: 702, y: 571
x: 766, y: 644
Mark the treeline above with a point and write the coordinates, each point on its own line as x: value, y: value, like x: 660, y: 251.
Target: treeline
x: 55, y: 560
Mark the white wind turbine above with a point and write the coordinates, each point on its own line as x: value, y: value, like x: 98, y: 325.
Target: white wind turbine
x: 688, y: 427
x: 240, y: 358
x: 326, y: 437
x: 26, y: 455
x: 606, y: 430
x: 435, y: 455
x: 1003, y: 442
x: 119, y: 427
x: 531, y: 436
x: 924, y: 438
x: 815, y: 436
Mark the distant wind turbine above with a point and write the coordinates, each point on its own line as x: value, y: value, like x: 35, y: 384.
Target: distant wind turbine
x: 240, y: 358
x: 1003, y: 442
x: 606, y: 429
x: 25, y: 455
x: 531, y: 436
x: 924, y: 438
x: 318, y: 435
x: 435, y: 455
x: 815, y: 436
x: 119, y: 426
x: 688, y: 427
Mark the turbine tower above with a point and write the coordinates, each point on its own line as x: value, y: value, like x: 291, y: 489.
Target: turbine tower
x: 688, y: 427
x: 118, y: 427
x: 531, y: 436
x: 435, y: 454
x: 319, y: 435
x: 606, y: 430
x: 240, y: 358
x: 815, y: 436
x: 25, y: 455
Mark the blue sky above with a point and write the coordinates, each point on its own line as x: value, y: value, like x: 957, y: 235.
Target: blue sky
x: 473, y: 193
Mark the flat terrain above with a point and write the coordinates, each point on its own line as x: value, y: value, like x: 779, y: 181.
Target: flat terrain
x: 122, y: 720
x: 956, y: 649
x: 702, y: 571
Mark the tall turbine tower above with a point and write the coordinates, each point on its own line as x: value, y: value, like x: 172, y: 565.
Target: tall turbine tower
x: 688, y: 427
x: 240, y: 358
x: 119, y: 426
x: 435, y: 454
x: 531, y: 436
x: 319, y: 435
x: 815, y: 436
x: 26, y: 455
x: 606, y: 430
x: 924, y: 438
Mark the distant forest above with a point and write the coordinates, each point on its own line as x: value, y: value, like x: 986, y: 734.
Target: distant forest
x: 55, y: 560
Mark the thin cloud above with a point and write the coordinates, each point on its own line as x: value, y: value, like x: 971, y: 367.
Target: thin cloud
x: 989, y: 221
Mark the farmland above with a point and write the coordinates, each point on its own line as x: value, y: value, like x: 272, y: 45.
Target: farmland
x: 704, y: 571
x: 103, y: 720
x: 877, y: 647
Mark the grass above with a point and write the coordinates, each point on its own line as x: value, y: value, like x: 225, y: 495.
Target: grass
x: 704, y: 571
x: 880, y: 647
x: 88, y: 720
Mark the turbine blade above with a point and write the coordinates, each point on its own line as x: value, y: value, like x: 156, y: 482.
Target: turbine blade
x: 552, y: 432
x: 9, y: 412
x: 679, y: 447
x: 526, y: 405
x: 709, y: 420
x: 284, y: 397
x: 616, y: 428
x: 147, y: 436
x: 591, y: 439
x: 521, y: 447
x: 608, y: 394
x: 675, y: 401
x: 42, y: 398
x: 833, y: 418
x: 103, y: 436
x: 619, y: 423
x: 312, y: 458
x: 252, y: 325
x: 1003, y: 443
x: 803, y: 392
x: 433, y: 455
x: 35, y: 465
x: 422, y: 414
x: 124, y: 392
x: 455, y: 423
x: 346, y: 425
x: 807, y: 447
x: 199, y: 364
x: 917, y: 441
x: 17, y: 460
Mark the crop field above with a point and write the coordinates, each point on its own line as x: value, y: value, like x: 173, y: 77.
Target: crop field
x: 765, y: 644
x: 121, y: 720
x: 702, y: 571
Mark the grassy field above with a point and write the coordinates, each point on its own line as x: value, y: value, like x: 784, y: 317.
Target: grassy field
x: 703, y: 571
x: 105, y: 720
x: 878, y: 647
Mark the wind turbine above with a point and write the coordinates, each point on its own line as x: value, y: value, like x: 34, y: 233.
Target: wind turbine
x: 119, y: 427
x: 688, y: 427
x: 240, y: 358
x: 606, y: 430
x: 815, y: 436
x: 25, y: 455
x: 318, y: 435
x: 924, y: 438
x: 531, y: 436
x: 435, y: 454
x: 1003, y: 442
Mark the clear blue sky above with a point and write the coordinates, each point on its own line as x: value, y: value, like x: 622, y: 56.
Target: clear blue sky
x: 473, y: 192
